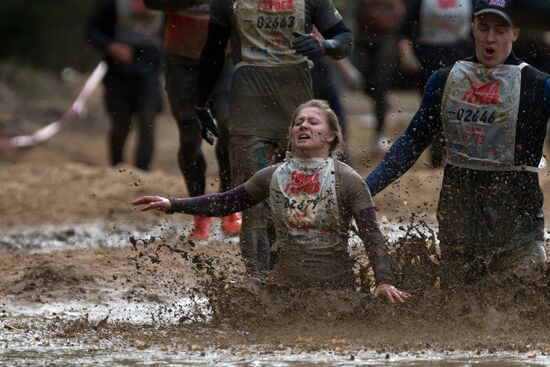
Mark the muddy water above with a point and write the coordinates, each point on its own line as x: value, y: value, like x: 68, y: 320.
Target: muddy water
x: 87, y: 235
x: 29, y: 342
x: 87, y: 295
x: 40, y: 341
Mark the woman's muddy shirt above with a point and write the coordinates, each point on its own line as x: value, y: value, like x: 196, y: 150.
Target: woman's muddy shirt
x: 325, y: 258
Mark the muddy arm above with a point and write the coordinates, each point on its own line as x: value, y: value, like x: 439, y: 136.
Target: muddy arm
x: 214, y: 205
x: 375, y: 244
x: 338, y: 41
x: 212, y: 60
x: 424, y: 126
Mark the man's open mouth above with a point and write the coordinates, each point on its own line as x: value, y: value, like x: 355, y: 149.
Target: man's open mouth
x: 489, y: 51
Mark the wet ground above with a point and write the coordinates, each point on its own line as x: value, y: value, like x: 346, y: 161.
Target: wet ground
x: 147, y: 299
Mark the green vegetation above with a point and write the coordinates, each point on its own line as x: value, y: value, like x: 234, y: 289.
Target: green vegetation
x: 47, y: 34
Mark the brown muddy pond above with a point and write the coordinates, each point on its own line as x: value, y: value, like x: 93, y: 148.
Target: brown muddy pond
x: 83, y: 295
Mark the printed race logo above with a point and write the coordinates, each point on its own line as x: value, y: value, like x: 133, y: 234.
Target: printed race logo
x: 303, y: 184
x: 138, y: 6
x: 482, y: 93
x: 475, y: 135
x: 275, y: 5
x: 447, y: 4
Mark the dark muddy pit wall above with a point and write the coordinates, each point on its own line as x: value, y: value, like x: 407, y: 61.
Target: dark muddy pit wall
x: 533, y: 14
x: 46, y: 34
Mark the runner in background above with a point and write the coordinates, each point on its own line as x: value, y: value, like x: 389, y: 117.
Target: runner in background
x: 434, y: 34
x: 271, y: 42
x: 377, y: 23
x: 325, y: 77
x: 129, y: 35
x: 184, y: 37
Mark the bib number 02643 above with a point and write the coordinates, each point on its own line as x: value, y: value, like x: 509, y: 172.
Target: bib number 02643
x: 269, y: 22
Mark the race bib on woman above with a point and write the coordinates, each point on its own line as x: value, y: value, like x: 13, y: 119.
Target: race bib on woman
x: 306, y: 209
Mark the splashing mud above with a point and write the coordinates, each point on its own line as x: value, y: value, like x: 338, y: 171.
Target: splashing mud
x: 178, y: 300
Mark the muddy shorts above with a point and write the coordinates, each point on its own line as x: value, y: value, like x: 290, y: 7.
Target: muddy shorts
x: 263, y: 99
x: 252, y: 153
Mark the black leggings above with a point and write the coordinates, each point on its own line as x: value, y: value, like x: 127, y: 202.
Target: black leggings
x: 191, y: 161
x: 181, y: 82
x: 126, y: 99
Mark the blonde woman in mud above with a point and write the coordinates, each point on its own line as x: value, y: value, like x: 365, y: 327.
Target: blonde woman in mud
x: 313, y: 198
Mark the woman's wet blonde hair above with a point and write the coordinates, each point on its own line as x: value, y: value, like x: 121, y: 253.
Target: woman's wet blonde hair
x: 337, y: 146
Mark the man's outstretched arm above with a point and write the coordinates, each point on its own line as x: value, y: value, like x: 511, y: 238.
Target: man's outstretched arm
x: 419, y: 134
x: 211, y: 62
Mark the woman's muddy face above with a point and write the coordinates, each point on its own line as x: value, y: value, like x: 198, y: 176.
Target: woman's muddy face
x: 311, y: 135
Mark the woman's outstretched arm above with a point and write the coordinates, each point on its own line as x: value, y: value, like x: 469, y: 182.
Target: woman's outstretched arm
x: 252, y: 192
x: 211, y: 205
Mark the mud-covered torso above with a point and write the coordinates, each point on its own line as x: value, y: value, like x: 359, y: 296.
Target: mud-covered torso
x: 479, y: 114
x: 261, y: 30
x: 312, y: 207
x: 270, y: 79
x: 265, y: 31
x: 304, y: 205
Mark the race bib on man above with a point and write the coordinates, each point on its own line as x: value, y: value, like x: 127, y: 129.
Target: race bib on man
x: 479, y: 113
x: 265, y: 30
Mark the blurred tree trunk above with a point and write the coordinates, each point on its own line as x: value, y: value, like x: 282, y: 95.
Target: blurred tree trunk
x: 531, y: 13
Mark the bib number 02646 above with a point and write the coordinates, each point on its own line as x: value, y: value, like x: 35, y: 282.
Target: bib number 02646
x: 474, y: 115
